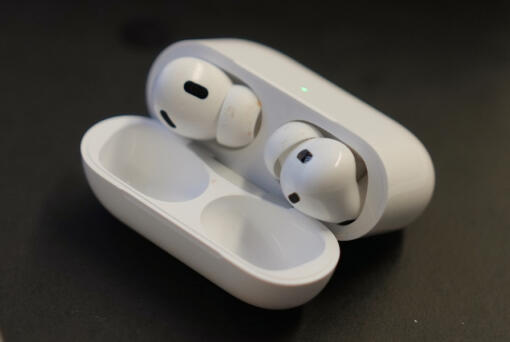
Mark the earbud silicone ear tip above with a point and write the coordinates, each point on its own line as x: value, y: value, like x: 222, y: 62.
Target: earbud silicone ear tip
x: 283, y: 140
x: 238, y: 118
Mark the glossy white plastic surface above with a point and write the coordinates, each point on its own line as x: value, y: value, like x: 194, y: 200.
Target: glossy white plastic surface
x: 400, y: 174
x: 192, y: 117
x: 233, y: 233
x: 221, y: 210
x: 325, y: 185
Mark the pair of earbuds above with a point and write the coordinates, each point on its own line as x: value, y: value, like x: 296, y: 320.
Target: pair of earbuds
x: 317, y: 174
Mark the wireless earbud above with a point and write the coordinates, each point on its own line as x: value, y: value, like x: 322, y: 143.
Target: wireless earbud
x: 317, y: 174
x: 199, y: 101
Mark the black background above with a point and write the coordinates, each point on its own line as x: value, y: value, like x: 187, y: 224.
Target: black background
x: 69, y: 271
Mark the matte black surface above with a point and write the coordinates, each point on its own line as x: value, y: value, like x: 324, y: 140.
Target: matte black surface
x: 71, y: 272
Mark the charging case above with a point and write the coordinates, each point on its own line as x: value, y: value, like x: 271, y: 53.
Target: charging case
x: 220, y: 211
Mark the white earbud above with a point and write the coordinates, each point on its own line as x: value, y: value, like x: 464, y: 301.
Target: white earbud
x: 318, y: 175
x: 199, y: 101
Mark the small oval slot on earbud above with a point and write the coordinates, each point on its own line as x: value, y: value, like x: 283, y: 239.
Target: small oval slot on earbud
x: 196, y: 89
x: 304, y: 156
x: 294, y: 197
x: 167, y: 119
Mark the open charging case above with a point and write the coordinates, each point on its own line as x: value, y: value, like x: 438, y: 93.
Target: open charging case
x: 220, y: 211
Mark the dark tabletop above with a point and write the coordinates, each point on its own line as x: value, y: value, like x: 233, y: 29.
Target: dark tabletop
x: 69, y: 271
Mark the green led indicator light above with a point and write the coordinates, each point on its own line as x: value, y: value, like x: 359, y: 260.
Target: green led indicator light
x: 304, y: 89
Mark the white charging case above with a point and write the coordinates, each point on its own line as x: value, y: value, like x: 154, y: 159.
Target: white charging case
x: 220, y: 211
